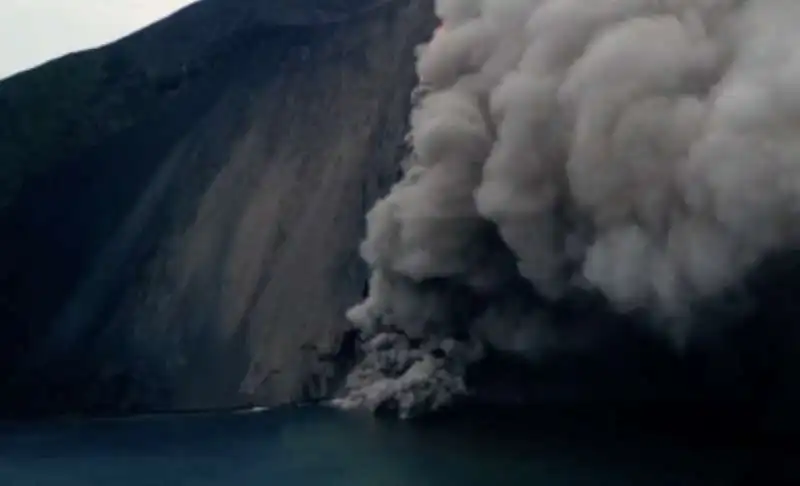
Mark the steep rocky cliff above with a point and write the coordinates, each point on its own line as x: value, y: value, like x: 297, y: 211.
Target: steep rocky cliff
x: 181, y: 209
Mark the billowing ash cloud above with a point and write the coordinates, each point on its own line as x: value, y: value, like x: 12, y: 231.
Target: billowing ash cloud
x: 645, y: 150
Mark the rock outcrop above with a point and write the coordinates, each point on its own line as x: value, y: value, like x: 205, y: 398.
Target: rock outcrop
x: 181, y: 209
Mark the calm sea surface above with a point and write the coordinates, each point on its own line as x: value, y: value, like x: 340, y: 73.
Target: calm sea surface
x: 320, y: 447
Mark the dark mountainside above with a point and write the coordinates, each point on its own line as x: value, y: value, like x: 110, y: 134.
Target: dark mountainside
x: 182, y: 212
x: 182, y: 209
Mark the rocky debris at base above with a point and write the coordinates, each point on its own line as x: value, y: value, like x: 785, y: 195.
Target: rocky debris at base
x: 398, y: 377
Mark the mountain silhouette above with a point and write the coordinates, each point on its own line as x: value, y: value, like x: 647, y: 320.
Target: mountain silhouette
x: 181, y: 209
x: 181, y: 212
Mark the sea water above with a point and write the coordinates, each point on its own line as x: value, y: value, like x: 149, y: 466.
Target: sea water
x: 322, y: 447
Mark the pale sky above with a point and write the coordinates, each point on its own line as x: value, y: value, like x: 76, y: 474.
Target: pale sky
x: 35, y: 31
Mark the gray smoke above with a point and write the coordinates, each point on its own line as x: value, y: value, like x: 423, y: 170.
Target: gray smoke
x: 647, y: 150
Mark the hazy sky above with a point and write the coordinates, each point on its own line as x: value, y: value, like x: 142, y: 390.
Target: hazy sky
x: 34, y: 31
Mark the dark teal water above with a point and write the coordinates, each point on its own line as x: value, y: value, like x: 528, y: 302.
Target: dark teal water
x: 318, y: 447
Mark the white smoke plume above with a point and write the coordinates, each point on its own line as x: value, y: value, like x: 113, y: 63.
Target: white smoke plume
x: 645, y: 149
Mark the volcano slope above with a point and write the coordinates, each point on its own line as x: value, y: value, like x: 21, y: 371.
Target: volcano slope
x: 181, y: 209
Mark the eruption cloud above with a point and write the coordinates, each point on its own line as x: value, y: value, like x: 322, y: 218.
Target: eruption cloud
x: 647, y: 151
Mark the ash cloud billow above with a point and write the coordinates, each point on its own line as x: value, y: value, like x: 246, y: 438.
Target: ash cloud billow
x: 645, y: 151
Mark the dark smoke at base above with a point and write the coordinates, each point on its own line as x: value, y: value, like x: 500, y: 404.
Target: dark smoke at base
x: 582, y: 173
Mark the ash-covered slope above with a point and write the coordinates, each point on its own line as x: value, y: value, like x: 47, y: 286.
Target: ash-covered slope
x: 581, y: 220
x: 181, y: 209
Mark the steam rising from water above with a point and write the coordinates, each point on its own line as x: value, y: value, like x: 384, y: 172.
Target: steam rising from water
x: 645, y: 149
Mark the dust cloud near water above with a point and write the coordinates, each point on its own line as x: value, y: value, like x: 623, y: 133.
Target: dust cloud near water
x: 643, y: 153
